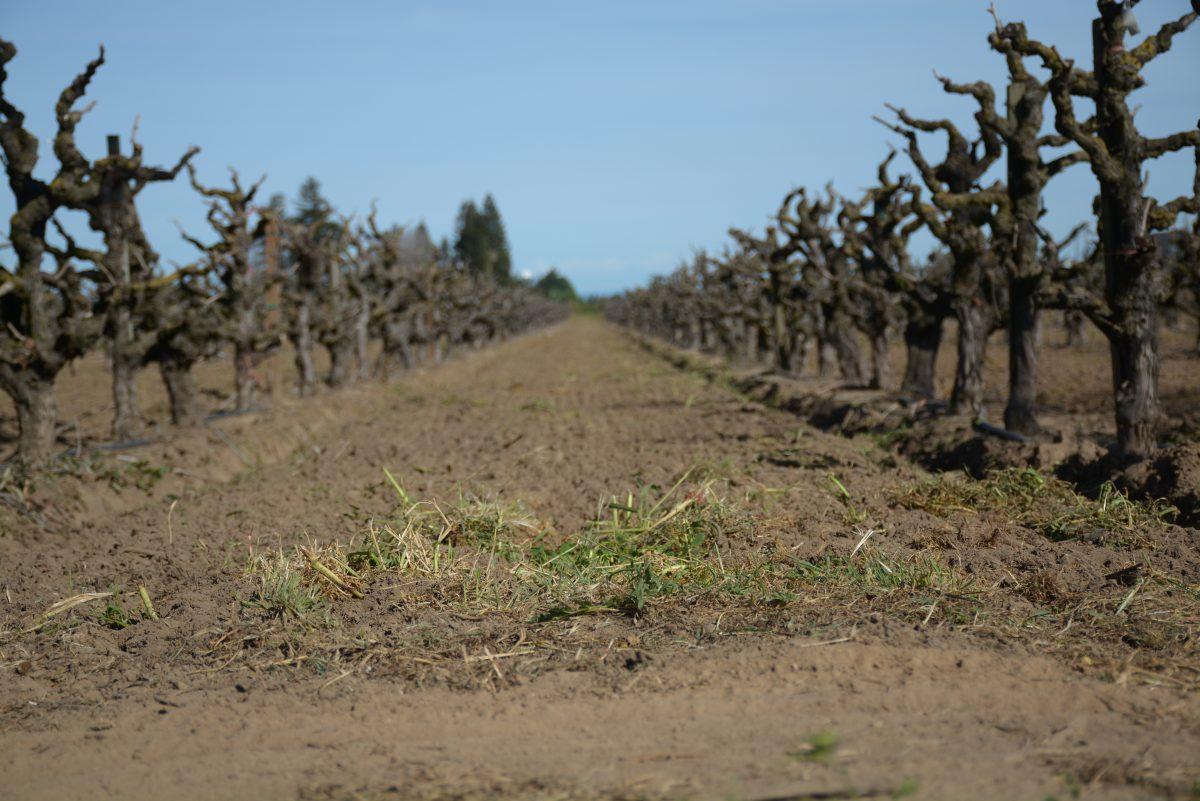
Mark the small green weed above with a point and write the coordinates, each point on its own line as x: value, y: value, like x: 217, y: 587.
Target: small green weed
x: 539, y: 405
x: 817, y: 748
x: 853, y: 515
x: 116, y: 616
x: 887, y: 438
x: 119, y: 473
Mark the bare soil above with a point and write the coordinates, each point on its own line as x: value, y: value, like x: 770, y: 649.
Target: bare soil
x: 907, y: 636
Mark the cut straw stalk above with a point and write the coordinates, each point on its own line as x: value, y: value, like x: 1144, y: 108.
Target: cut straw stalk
x: 404, y: 496
x: 146, y: 605
x: 332, y: 577
x: 65, y: 605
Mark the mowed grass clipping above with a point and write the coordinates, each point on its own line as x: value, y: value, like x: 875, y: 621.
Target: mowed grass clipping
x: 486, y: 556
x: 1044, y: 504
x: 682, y: 566
x: 645, y: 552
x: 686, y: 557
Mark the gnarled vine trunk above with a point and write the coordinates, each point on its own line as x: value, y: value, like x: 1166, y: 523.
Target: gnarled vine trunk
x: 177, y: 376
x: 302, y: 342
x: 341, y: 362
x: 362, y: 338
x: 37, y: 412
x: 1073, y: 328
x: 849, y: 358
x: 1020, y: 414
x: 1132, y: 294
x: 922, y: 339
x: 243, y: 376
x: 879, y: 357
x: 975, y: 322
x: 127, y: 419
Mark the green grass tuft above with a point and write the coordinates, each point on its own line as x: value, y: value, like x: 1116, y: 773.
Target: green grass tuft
x: 1044, y: 504
x: 286, y: 590
x: 817, y: 748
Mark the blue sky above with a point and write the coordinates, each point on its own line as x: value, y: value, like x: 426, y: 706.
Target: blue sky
x: 615, y: 136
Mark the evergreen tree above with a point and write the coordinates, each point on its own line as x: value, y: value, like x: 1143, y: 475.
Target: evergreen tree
x: 416, y: 246
x: 480, y: 241
x: 493, y: 226
x: 471, y: 245
x: 311, y: 205
x: 422, y: 238
x: 278, y: 204
x: 557, y: 287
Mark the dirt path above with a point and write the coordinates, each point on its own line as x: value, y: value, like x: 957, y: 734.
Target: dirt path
x: 804, y: 698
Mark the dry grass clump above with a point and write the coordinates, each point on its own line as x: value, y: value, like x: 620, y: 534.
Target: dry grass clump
x: 287, y: 590
x: 486, y: 556
x: 909, y: 586
x: 647, y: 552
x: 656, y: 560
x: 1044, y: 504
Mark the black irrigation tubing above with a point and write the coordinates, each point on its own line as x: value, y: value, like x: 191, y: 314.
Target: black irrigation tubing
x: 233, y: 446
x: 234, y: 413
x: 997, y: 431
x: 114, y: 447
x: 110, y: 447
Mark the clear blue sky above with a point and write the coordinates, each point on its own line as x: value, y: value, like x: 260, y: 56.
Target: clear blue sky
x: 614, y: 135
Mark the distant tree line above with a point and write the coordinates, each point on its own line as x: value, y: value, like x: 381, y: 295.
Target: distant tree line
x: 557, y: 287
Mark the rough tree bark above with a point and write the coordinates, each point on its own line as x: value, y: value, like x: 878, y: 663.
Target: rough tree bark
x: 310, y: 248
x: 186, y: 331
x: 958, y: 221
x: 302, y: 342
x: 47, y: 317
x: 779, y: 289
x: 37, y: 414
x: 1017, y: 226
x: 1116, y: 151
x: 241, y: 302
x: 1072, y: 322
x: 341, y: 361
x: 878, y: 241
x: 106, y: 190
x: 335, y: 310
x: 922, y: 338
x: 825, y: 278
x: 181, y: 391
x: 840, y: 335
x: 398, y: 291
x: 976, y: 321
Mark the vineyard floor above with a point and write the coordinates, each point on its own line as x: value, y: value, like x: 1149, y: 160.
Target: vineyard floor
x: 853, y: 628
